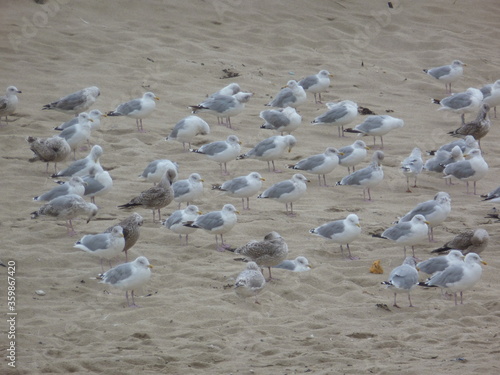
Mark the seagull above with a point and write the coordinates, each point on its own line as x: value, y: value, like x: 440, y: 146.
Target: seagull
x: 188, y: 128
x: 352, y: 155
x: 447, y: 73
x: 468, y: 241
x: 189, y: 189
x: 139, y: 109
x: 105, y: 245
x: 340, y: 231
x: 491, y: 95
x: 224, y: 106
x: 320, y: 164
x: 49, y: 150
x: 283, y: 120
x: 472, y: 169
x: 75, y: 185
x: 156, y: 197
x: 8, y: 102
x: 407, y: 233
x: 440, y: 263
x: 78, y: 134
x: 83, y: 166
x: 338, y: 114
x: 367, y: 177
x: 271, y: 149
x: 317, y: 83
x: 131, y: 232
x: 242, y: 187
x: 466, y: 144
x: 269, y: 252
x: 403, y: 279
x: 76, y: 102
x: 287, y: 191
x: 412, y: 166
x: 221, y: 151
x: 292, y: 95
x: 67, y: 207
x: 98, y: 182
x: 176, y: 221
x: 156, y: 169
x: 461, y: 103
x: 218, y: 223
x: 299, y: 264
x: 478, y: 128
x: 129, y: 276
x: 377, y: 126
x: 435, y: 211
x: 459, y: 276
x: 250, y: 281
x: 442, y: 158
x: 95, y: 115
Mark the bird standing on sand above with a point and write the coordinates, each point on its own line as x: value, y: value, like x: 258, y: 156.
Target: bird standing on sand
x: 317, y: 83
x: 131, y: 231
x: 447, y: 73
x: 292, y: 95
x: 139, y: 109
x: 221, y: 151
x: 76, y: 102
x: 412, y: 166
x: 403, y: 279
x: 8, y: 102
x: 250, y: 281
x: 287, y: 191
x: 49, y: 150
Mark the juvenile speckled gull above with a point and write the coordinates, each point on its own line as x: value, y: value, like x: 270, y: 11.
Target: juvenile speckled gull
x: 189, y: 189
x: 283, y: 120
x: 338, y: 114
x: 139, y: 108
x: 478, y: 128
x: 218, y: 223
x: 107, y: 245
x: 403, y: 279
x: 98, y: 182
x: 8, y: 102
x: 250, y: 281
x: 491, y: 95
x: 76, y: 102
x: 340, y: 231
x: 287, y: 191
x: 459, y: 277
x: 463, y: 102
x: 408, y: 233
x: 131, y: 231
x: 221, y: 151
x: 377, y: 126
x: 270, y: 149
x: 95, y: 115
x: 156, y: 197
x: 242, y: 187
x: 292, y: 95
x: 467, y: 241
x: 75, y: 185
x: 49, y: 150
x: 67, y: 207
x: 78, y: 134
x: 447, y: 73
x: 299, y: 264
x: 320, y: 164
x: 269, y: 252
x: 472, y: 169
x: 129, y: 276
x: 317, y: 83
x: 412, y: 166
x: 440, y: 263
x: 435, y: 211
x: 223, y: 106
x: 352, y: 155
x: 188, y: 128
x: 176, y: 221
x: 83, y: 166
x: 367, y: 177
x: 156, y: 169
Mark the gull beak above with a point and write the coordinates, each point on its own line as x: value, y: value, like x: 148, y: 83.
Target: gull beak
x: 341, y: 153
x: 240, y: 143
x: 199, y: 212
x: 104, y: 115
x: 367, y: 148
x: 202, y: 180
x: 262, y: 179
x: 91, y: 120
x: 309, y: 266
x: 359, y: 226
x: 331, y: 75
x: 426, y: 222
x: 157, y: 98
x: 19, y: 91
x: 150, y: 266
x: 121, y: 235
x: 484, y: 262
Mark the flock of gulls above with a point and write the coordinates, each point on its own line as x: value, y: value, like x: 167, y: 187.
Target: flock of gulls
x: 84, y: 180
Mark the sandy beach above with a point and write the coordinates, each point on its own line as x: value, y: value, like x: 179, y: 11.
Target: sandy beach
x: 336, y: 318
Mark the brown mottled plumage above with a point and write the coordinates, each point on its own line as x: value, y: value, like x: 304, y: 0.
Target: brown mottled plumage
x: 131, y: 230
x: 53, y: 149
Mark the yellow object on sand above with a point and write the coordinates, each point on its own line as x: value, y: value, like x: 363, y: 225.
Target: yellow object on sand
x: 376, y: 267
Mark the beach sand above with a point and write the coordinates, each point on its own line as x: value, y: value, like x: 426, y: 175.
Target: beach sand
x: 325, y: 321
